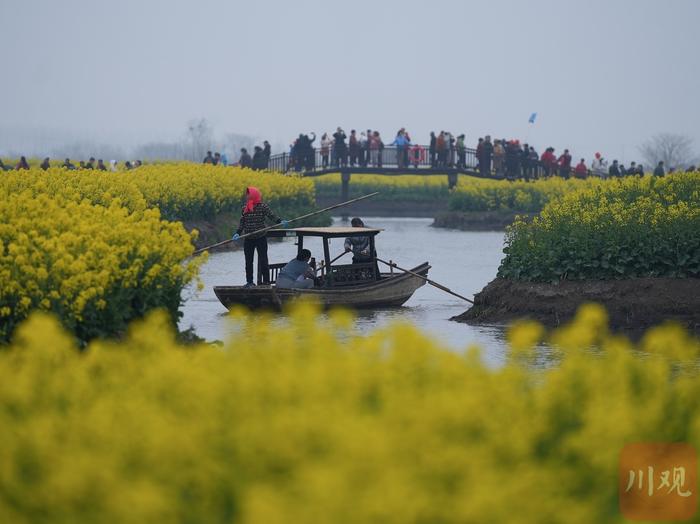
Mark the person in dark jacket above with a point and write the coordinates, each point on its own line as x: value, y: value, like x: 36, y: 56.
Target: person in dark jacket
x: 46, y: 164
x: 22, y: 164
x: 513, y: 160
x: 365, y: 155
x: 525, y: 162
x: 341, y: 150
x: 298, y: 273
x: 359, y: 246
x: 432, y: 150
x: 101, y: 165
x: 485, y: 156
x: 258, y: 158
x: 534, y: 160
x: 267, y: 152
x: 353, y: 148
x: 245, y: 160
x: 659, y: 169
x: 614, y: 170
x: 209, y: 159
x: 253, y: 218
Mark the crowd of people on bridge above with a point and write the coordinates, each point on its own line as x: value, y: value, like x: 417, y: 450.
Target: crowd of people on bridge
x: 366, y: 149
x: 501, y: 158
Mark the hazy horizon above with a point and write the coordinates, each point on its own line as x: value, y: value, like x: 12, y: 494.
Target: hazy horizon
x: 602, y: 76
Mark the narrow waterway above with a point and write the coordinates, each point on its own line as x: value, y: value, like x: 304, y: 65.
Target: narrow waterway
x: 463, y: 261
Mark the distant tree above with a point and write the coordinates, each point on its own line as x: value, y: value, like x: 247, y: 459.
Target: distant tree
x: 675, y: 150
x: 199, y: 136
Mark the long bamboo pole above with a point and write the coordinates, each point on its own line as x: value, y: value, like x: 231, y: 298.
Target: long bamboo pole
x: 308, y: 215
x: 431, y: 282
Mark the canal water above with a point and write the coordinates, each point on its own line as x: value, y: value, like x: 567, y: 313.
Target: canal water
x: 464, y: 261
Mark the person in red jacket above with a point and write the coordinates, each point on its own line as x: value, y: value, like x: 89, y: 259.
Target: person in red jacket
x: 581, y: 171
x: 549, y: 161
x: 565, y: 164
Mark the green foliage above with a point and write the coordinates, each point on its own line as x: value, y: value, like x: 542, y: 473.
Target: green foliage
x: 627, y: 228
x: 476, y: 194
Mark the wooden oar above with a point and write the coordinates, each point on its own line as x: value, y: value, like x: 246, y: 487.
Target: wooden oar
x: 431, y: 282
x: 331, y: 262
x: 308, y: 215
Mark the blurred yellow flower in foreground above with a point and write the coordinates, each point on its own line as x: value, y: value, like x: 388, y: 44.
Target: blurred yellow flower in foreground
x: 294, y: 420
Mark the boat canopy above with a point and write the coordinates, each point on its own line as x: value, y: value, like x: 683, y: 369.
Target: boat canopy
x: 325, y: 232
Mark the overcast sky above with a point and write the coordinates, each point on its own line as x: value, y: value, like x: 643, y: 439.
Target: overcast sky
x: 603, y: 75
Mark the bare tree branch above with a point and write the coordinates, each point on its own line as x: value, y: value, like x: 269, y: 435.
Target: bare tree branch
x: 200, y: 135
x: 674, y: 150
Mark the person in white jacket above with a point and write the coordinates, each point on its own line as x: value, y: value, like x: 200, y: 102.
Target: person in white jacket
x: 326, y: 145
x: 599, y: 166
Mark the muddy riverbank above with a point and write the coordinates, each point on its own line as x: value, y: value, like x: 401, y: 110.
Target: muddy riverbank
x: 632, y: 304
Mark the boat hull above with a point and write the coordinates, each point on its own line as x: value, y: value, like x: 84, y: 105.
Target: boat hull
x: 390, y: 291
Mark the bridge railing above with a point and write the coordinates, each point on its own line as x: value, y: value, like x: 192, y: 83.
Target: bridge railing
x: 319, y: 159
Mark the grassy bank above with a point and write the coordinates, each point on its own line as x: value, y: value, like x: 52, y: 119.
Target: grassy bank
x: 634, y: 227
x: 471, y: 194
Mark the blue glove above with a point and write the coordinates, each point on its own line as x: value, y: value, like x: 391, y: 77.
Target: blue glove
x: 235, y: 237
x: 285, y: 224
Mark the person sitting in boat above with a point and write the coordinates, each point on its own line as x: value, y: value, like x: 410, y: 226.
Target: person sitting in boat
x: 358, y: 245
x: 297, y: 273
x: 253, y: 218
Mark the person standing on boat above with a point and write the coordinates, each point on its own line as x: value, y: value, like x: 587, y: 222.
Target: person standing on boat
x: 358, y: 245
x: 297, y: 274
x: 253, y: 218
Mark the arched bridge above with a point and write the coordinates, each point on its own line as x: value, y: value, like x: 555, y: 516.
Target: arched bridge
x: 389, y: 160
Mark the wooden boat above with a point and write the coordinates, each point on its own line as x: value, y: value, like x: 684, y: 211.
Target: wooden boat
x: 358, y: 286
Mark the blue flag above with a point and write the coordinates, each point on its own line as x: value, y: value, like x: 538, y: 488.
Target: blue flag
x: 532, y: 118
